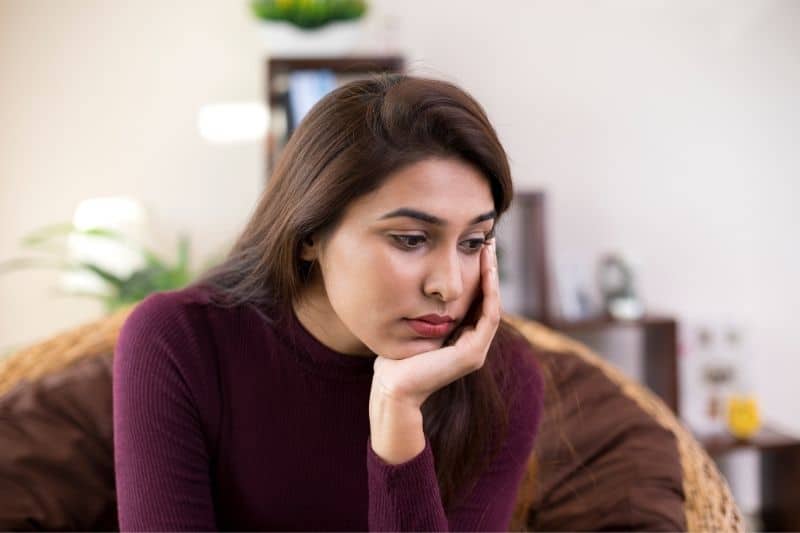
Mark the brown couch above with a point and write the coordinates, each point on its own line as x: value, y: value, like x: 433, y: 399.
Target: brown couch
x: 609, y: 456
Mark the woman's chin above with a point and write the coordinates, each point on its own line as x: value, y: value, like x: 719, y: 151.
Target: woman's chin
x: 409, y: 347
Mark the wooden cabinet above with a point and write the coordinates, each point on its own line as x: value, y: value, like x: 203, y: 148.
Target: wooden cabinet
x: 780, y: 472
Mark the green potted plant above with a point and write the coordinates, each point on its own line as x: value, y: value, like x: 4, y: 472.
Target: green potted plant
x: 100, y: 280
x: 296, y: 28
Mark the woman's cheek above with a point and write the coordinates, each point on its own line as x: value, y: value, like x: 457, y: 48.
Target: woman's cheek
x: 473, y: 276
x: 400, y: 266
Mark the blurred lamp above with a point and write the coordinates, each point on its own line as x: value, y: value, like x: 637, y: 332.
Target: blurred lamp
x: 232, y: 122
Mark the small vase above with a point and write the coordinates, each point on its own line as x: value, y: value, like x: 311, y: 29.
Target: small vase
x: 284, y: 39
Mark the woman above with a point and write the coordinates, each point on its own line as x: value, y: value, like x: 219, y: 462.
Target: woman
x: 346, y: 367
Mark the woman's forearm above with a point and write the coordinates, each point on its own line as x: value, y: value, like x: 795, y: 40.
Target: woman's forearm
x: 395, y: 429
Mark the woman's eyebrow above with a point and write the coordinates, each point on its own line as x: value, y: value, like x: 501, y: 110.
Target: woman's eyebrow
x: 431, y: 219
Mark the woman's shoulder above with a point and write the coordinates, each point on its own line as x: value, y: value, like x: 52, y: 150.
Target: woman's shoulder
x: 192, y: 324
x: 176, y: 300
x: 165, y: 310
x: 172, y: 324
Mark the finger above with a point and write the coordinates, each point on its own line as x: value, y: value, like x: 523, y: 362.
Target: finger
x: 490, y: 308
x: 490, y: 312
x: 496, y: 276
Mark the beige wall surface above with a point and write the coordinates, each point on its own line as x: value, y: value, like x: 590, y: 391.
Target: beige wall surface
x: 101, y: 98
x: 667, y: 130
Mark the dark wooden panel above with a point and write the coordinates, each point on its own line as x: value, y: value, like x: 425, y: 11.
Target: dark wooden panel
x: 780, y: 488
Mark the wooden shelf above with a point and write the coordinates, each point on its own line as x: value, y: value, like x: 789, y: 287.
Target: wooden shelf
x: 338, y: 64
x: 780, y: 469
x: 767, y: 438
x: 278, y: 70
x: 601, y: 322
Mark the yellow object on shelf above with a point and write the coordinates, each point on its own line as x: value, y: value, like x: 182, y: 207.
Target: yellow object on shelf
x: 743, y: 416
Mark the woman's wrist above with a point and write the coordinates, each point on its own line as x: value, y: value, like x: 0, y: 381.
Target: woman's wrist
x: 396, y: 432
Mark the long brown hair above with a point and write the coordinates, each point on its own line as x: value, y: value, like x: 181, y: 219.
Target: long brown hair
x: 346, y: 147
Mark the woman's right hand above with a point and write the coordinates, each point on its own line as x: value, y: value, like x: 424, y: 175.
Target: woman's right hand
x: 414, y: 379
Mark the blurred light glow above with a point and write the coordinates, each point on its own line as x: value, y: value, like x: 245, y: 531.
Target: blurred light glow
x: 120, y: 213
x: 231, y: 122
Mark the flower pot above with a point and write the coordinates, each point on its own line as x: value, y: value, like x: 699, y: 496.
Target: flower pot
x: 287, y: 40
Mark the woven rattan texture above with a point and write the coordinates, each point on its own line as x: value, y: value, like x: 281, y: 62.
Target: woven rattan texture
x: 59, y: 351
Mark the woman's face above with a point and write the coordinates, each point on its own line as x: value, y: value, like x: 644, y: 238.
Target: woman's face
x: 408, y: 249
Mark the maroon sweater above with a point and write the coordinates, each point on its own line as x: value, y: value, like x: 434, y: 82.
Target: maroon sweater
x: 226, y: 420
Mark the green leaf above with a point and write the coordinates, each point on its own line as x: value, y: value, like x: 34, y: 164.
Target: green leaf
x: 46, y: 233
x: 104, y: 274
x: 22, y: 263
x: 183, y: 251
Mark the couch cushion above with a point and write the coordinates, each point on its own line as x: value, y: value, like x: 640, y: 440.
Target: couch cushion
x: 602, y: 462
x: 56, y: 451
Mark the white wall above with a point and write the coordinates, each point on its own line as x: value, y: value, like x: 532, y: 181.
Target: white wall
x: 663, y: 129
x: 667, y: 130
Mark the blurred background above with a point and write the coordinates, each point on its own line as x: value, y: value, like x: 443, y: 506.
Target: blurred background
x: 655, y: 143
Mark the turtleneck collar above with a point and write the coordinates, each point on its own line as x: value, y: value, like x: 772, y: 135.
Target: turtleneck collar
x: 312, y: 354
x: 319, y: 358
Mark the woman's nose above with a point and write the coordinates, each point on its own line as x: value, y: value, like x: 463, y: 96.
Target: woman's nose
x: 445, y: 278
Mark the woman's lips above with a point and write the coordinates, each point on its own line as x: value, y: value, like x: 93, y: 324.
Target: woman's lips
x: 426, y: 329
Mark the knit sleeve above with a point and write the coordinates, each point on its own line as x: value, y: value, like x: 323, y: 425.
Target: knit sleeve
x: 405, y: 497
x: 161, y: 451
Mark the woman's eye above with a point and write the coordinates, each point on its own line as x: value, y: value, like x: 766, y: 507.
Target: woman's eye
x: 474, y: 245
x: 409, y: 241
x: 412, y: 242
